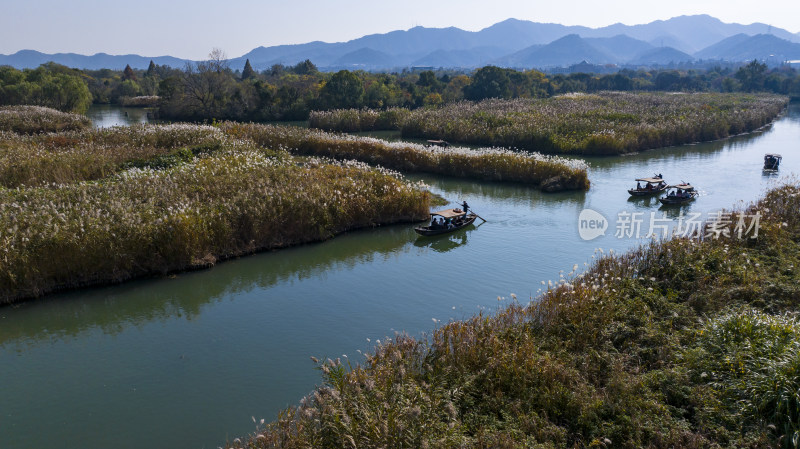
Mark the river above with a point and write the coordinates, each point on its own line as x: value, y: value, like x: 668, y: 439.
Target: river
x: 187, y: 360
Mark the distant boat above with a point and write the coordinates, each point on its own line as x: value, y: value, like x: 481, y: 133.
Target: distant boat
x: 679, y: 194
x: 772, y: 161
x: 439, y: 143
x: 447, y: 220
x: 653, y: 185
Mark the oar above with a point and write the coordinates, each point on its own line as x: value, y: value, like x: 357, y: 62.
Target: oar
x: 484, y: 220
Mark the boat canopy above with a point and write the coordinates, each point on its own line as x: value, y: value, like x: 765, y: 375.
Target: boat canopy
x: 682, y: 186
x: 775, y: 155
x: 449, y: 213
x: 651, y: 180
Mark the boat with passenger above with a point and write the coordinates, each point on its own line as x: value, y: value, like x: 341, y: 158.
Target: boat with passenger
x: 772, y: 161
x: 652, y: 186
x: 447, y: 220
x: 679, y: 194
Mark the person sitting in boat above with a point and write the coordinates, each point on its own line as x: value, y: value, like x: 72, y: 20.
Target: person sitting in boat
x: 671, y: 193
x: 638, y: 186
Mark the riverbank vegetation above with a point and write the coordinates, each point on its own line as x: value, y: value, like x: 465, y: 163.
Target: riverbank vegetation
x: 212, y: 89
x: 149, y: 200
x: 39, y: 119
x: 492, y: 164
x: 679, y: 343
x: 602, y: 123
x: 93, y: 154
x: 50, y: 85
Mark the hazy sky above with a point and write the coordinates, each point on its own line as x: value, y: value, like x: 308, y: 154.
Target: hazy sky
x: 190, y: 29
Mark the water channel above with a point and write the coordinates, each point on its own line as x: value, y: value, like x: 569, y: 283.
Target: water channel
x: 187, y: 360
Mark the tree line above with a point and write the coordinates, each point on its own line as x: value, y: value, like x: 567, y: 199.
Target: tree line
x: 211, y: 89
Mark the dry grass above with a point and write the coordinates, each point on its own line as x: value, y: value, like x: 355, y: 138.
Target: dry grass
x: 494, y: 164
x: 39, y: 119
x: 604, y: 123
x: 94, y: 207
x: 682, y: 343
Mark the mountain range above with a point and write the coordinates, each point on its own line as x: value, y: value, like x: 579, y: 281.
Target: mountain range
x: 511, y: 43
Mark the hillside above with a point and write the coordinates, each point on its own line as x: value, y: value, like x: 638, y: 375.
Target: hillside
x: 512, y: 42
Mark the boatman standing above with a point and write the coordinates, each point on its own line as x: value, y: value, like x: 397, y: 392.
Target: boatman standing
x: 465, y: 206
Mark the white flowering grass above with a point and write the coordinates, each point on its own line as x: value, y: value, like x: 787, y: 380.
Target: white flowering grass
x: 140, y: 101
x: 39, y: 119
x: 91, y: 154
x: 603, y: 123
x: 494, y: 164
x: 144, y: 220
x: 353, y: 120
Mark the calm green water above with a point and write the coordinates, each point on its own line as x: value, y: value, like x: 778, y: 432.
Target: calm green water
x: 186, y: 361
x: 108, y: 115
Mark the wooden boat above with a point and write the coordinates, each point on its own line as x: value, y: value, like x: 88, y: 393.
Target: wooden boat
x: 447, y: 220
x: 679, y: 194
x: 654, y: 185
x: 439, y: 143
x: 772, y: 161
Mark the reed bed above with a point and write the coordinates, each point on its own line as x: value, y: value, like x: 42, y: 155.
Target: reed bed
x: 679, y: 343
x: 84, y: 155
x: 144, y: 221
x: 596, y: 124
x: 493, y: 164
x: 140, y: 101
x: 355, y: 120
x: 39, y: 119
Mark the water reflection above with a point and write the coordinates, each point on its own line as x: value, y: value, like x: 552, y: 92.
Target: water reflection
x: 108, y: 115
x: 456, y: 190
x: 446, y: 242
x: 644, y: 202
x: 112, y: 309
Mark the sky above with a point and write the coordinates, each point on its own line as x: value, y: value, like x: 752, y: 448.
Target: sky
x: 191, y: 29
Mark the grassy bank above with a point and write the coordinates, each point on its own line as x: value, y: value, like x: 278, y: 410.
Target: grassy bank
x: 92, y: 154
x: 39, y: 119
x: 493, y: 164
x: 605, y: 123
x: 355, y: 120
x: 683, y: 343
x: 140, y: 101
x: 91, y: 207
x: 596, y: 124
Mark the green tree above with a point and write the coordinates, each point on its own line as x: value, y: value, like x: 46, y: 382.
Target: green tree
x: 751, y: 76
x: 248, y: 72
x: 50, y: 85
x: 127, y: 88
x: 428, y: 79
x: 343, y: 90
x: 488, y: 82
x: 305, y: 68
x: 151, y: 69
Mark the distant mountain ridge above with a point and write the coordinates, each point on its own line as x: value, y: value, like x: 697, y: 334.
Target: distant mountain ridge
x: 31, y: 59
x: 510, y: 43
